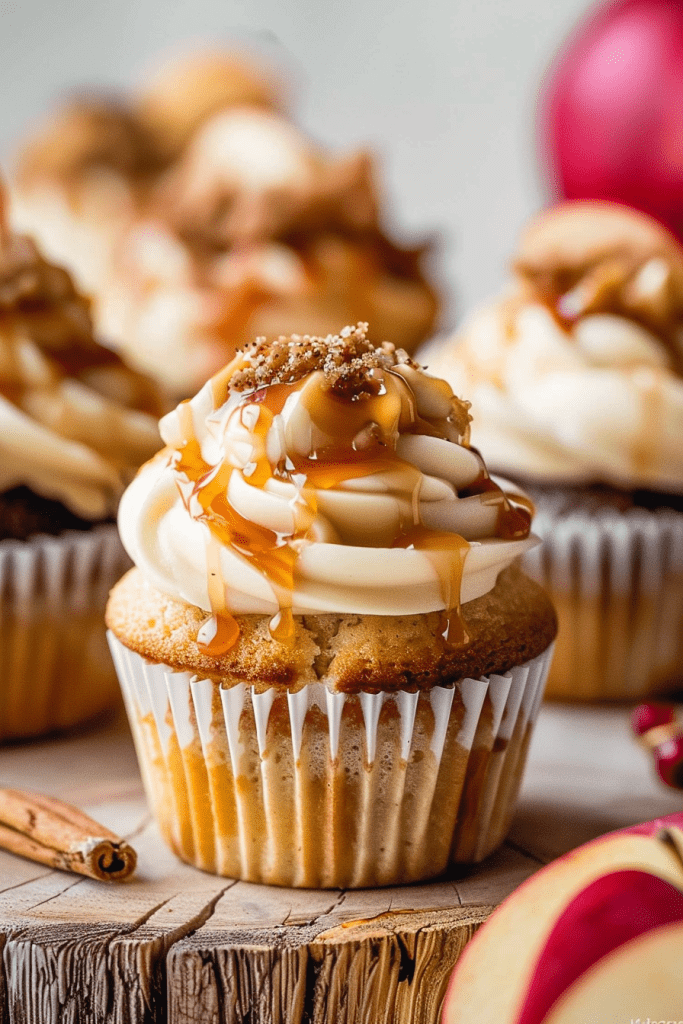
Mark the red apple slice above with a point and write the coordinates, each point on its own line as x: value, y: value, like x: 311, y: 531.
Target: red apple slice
x: 609, y: 912
x: 640, y: 981
x: 492, y: 978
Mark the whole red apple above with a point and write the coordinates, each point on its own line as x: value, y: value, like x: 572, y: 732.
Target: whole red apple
x: 611, y: 109
x: 601, y: 927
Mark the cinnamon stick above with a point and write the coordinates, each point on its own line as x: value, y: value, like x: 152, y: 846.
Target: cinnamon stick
x: 52, y: 832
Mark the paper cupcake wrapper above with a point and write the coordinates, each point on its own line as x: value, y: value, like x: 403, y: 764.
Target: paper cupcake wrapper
x: 55, y: 669
x: 319, y: 789
x: 617, y: 582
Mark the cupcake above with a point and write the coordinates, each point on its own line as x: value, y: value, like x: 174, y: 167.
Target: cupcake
x: 85, y: 175
x: 576, y: 375
x: 198, y: 216
x: 80, y: 182
x: 257, y: 229
x: 330, y: 660
x: 72, y: 436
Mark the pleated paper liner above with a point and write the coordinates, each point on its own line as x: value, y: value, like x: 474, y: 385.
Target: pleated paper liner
x: 55, y: 669
x: 319, y: 789
x: 616, y: 580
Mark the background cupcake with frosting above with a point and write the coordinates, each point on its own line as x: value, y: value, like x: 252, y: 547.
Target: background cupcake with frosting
x: 575, y: 373
x: 330, y: 660
x: 76, y: 424
x: 197, y: 216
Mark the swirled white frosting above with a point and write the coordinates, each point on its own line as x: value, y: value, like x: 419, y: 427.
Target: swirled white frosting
x: 66, y: 441
x: 65, y: 436
x: 341, y: 531
x: 598, y: 401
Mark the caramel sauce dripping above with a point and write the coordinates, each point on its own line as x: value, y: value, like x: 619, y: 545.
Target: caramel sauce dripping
x: 269, y: 552
x: 217, y: 635
x: 515, y: 511
x: 447, y: 553
x: 12, y: 384
x: 604, y: 283
x: 362, y: 434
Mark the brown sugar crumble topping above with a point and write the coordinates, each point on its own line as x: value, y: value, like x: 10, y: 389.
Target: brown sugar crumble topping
x: 348, y: 361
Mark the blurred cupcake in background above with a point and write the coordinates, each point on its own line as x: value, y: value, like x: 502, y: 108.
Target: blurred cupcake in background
x: 213, y: 219
x: 254, y: 231
x: 81, y: 179
x: 84, y: 175
x: 76, y: 424
x: 575, y: 373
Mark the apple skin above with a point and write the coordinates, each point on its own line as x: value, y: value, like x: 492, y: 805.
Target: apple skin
x: 650, y: 716
x: 659, y: 730
x: 609, y: 912
x: 557, y: 928
x: 610, y: 109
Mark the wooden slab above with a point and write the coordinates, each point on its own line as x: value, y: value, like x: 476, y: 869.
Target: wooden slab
x: 176, y: 945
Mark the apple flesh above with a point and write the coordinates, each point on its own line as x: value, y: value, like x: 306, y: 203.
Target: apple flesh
x: 609, y: 912
x: 639, y: 980
x: 592, y: 905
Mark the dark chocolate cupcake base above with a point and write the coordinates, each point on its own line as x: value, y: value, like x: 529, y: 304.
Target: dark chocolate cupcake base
x: 25, y: 514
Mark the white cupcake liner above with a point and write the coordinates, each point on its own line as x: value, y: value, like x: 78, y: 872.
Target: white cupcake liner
x: 319, y: 789
x: 55, y: 670
x: 617, y: 581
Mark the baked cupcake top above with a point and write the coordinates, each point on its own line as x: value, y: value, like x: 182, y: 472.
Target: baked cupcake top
x: 320, y: 475
x: 72, y: 425
x: 575, y: 371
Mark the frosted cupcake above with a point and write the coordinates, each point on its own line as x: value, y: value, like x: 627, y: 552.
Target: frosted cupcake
x: 197, y: 216
x: 85, y: 174
x: 72, y: 435
x: 257, y: 229
x: 330, y: 662
x: 576, y: 377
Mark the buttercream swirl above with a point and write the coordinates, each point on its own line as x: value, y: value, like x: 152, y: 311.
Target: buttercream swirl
x: 65, y: 429
x: 575, y: 372
x: 321, y: 475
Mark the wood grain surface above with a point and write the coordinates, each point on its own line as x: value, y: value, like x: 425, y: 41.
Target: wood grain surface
x: 176, y: 945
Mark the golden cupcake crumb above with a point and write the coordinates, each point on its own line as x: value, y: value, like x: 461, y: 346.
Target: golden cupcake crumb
x: 510, y: 625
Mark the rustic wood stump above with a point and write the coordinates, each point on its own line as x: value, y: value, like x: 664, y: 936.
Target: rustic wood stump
x: 179, y: 946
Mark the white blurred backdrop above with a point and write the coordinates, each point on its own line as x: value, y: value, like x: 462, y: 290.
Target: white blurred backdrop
x: 444, y: 92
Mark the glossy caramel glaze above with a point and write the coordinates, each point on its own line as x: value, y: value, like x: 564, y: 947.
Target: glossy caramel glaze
x: 357, y: 403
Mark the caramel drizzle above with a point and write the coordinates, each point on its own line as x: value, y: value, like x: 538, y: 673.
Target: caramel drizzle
x: 603, y: 285
x: 269, y: 552
x: 362, y: 430
x: 447, y: 553
x: 515, y: 511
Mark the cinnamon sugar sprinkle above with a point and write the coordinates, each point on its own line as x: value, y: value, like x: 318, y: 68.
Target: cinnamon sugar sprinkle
x: 347, y: 360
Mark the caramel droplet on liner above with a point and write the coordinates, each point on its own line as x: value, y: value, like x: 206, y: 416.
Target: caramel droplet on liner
x: 218, y: 634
